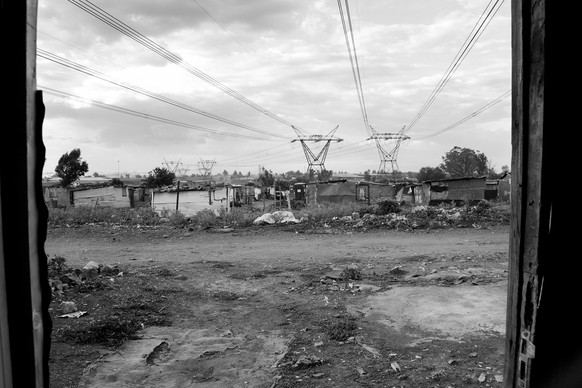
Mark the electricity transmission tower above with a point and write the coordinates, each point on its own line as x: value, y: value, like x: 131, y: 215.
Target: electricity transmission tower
x: 388, y: 145
x: 316, y: 161
x: 205, y: 168
x: 174, y: 166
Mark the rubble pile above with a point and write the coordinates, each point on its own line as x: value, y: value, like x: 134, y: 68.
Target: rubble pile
x: 427, y: 217
x: 91, y: 277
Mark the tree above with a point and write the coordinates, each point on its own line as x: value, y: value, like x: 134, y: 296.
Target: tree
x: 324, y: 175
x: 367, y: 176
x: 159, y: 177
x: 266, y: 178
x: 430, y: 174
x: 464, y: 162
x: 70, y: 167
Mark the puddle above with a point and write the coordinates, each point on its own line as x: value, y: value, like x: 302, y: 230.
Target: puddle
x: 445, y: 311
x: 175, y: 357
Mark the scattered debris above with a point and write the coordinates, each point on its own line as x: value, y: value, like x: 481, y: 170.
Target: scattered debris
x: 91, y: 266
x: 68, y: 307
x: 157, y: 352
x: 278, y: 217
x: 397, y: 270
x: 76, y: 314
x: 307, y: 361
x: 368, y: 287
x: 371, y: 349
x: 395, y: 366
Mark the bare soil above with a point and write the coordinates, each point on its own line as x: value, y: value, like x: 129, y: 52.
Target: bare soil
x: 279, y: 306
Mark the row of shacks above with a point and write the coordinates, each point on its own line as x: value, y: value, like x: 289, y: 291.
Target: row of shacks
x: 455, y: 191
x: 190, y: 200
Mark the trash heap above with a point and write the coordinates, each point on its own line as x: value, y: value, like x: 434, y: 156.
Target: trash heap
x: 91, y: 277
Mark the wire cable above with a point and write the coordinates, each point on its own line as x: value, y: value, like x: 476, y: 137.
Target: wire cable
x: 483, y: 21
x: 143, y: 115
x: 94, y: 73
x: 467, y: 118
x: 354, y: 62
x: 130, y: 32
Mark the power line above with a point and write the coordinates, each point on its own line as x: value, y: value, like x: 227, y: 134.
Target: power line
x: 243, y: 47
x: 138, y: 37
x: 94, y: 73
x: 483, y: 21
x: 472, y: 115
x: 354, y: 61
x: 143, y: 115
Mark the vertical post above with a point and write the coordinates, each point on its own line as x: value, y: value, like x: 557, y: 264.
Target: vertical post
x: 542, y: 347
x: 25, y: 324
x: 177, y: 195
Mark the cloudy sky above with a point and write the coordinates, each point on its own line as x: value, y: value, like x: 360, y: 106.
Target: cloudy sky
x: 143, y: 84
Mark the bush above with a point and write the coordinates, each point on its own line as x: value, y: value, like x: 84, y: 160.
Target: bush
x: 178, y: 219
x: 386, y: 207
x: 238, y: 217
x: 205, y: 218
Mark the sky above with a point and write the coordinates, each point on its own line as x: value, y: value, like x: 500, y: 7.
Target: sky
x: 192, y: 81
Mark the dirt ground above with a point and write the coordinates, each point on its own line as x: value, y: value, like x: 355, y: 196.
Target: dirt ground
x: 279, y: 306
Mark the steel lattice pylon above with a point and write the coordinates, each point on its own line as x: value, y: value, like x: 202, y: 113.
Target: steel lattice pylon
x: 316, y: 161
x: 176, y: 169
x: 388, y: 145
x: 205, y: 167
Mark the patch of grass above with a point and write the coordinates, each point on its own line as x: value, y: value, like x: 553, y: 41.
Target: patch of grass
x: 238, y: 276
x: 351, y: 274
x: 115, y: 329
x: 342, y: 328
x: 222, y: 265
x: 164, y: 272
x: 86, y: 215
x: 225, y: 295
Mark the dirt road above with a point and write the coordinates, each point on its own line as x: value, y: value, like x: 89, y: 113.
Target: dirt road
x: 282, y: 307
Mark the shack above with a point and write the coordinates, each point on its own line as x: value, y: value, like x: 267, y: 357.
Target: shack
x: 107, y: 196
x: 187, y: 200
x: 452, y: 190
x: 337, y: 191
x: 380, y: 191
x: 55, y: 197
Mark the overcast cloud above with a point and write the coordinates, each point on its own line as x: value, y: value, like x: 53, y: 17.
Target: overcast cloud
x: 290, y: 58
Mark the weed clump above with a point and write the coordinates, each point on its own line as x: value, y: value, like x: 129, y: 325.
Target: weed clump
x: 341, y: 328
x: 351, y: 274
x: 115, y: 329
